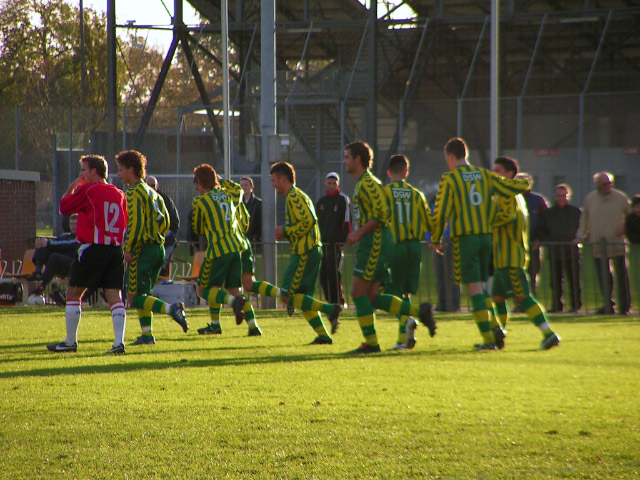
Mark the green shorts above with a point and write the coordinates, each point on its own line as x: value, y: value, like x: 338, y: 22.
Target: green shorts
x: 144, y: 269
x: 475, y: 257
x: 373, y: 256
x: 510, y: 282
x: 302, y: 273
x: 224, y: 271
x: 405, y: 268
x: 247, y: 260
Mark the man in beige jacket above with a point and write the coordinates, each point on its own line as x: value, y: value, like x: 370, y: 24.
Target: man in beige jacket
x: 602, y: 224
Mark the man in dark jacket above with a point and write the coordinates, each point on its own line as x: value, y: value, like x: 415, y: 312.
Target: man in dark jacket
x: 254, y: 207
x: 171, y: 238
x: 559, y: 224
x: 334, y: 220
x: 536, y: 206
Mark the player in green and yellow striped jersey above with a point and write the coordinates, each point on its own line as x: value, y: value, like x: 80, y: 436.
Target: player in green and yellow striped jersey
x: 410, y: 220
x: 214, y: 215
x: 511, y: 256
x: 147, y: 223
x: 465, y: 197
x: 234, y: 192
x: 375, y: 245
x: 300, y: 277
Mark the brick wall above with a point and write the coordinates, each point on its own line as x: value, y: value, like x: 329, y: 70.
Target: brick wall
x: 17, y: 217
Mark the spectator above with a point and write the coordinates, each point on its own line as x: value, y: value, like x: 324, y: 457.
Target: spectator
x: 560, y: 223
x: 55, y: 257
x: 254, y: 207
x: 334, y: 220
x: 536, y: 205
x: 603, y: 214
x: 632, y: 231
x: 171, y: 238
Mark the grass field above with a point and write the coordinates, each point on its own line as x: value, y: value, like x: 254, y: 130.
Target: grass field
x: 274, y: 408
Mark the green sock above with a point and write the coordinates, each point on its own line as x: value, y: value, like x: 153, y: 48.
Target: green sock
x: 366, y: 319
x: 536, y: 314
x: 265, y: 289
x: 503, y: 313
x: 305, y: 302
x: 250, y: 316
x: 402, y: 328
x: 482, y: 317
x: 145, y: 318
x: 493, y: 318
x: 395, y: 305
x: 315, y: 320
x: 214, y: 313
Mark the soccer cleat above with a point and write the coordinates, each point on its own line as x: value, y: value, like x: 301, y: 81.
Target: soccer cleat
x: 254, y: 332
x: 145, y: 340
x: 499, y: 334
x: 35, y: 276
x: 480, y: 347
x: 426, y: 318
x: 57, y: 296
x: 290, y: 310
x: 62, y: 347
x: 399, y: 346
x: 116, y: 350
x: 410, y: 335
x: 238, y: 305
x: 210, y: 329
x: 366, y: 348
x: 334, y: 318
x: 322, y: 340
x: 551, y: 341
x: 178, y: 314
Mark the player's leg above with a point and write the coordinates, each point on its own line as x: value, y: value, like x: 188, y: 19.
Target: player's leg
x: 397, y: 270
x: 246, y: 277
x: 298, y: 284
x: 474, y: 268
x: 532, y: 308
x: 212, y: 276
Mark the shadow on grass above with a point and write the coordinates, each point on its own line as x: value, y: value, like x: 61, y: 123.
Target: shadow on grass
x: 209, y: 362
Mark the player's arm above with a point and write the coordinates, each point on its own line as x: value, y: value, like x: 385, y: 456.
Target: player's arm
x: 197, y: 220
x: 380, y: 210
x: 441, y: 211
x: 424, y: 214
x: 74, y: 199
x: 508, y: 187
x: 302, y: 218
x: 135, y: 213
x: 506, y: 212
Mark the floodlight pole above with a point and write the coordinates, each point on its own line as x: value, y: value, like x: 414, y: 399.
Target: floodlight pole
x: 224, y: 8
x: 495, y: 81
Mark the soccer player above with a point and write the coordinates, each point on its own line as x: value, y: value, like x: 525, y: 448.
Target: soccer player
x: 410, y: 220
x: 234, y: 191
x: 299, y: 280
x: 465, y: 197
x: 147, y: 224
x: 99, y: 262
x: 511, y: 255
x: 375, y: 246
x: 214, y: 215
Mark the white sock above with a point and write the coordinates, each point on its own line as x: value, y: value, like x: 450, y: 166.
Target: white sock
x: 230, y: 301
x: 72, y: 314
x: 167, y: 309
x: 119, y: 318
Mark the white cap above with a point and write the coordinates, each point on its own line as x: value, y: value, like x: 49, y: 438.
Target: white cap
x: 333, y: 175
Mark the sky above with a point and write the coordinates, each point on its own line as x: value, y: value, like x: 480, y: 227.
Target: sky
x: 146, y: 12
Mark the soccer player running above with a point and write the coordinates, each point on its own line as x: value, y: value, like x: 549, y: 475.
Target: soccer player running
x: 410, y: 220
x: 147, y: 224
x: 234, y: 192
x: 375, y: 247
x: 465, y: 197
x: 511, y: 255
x: 99, y: 261
x: 300, y: 277
x: 214, y: 215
